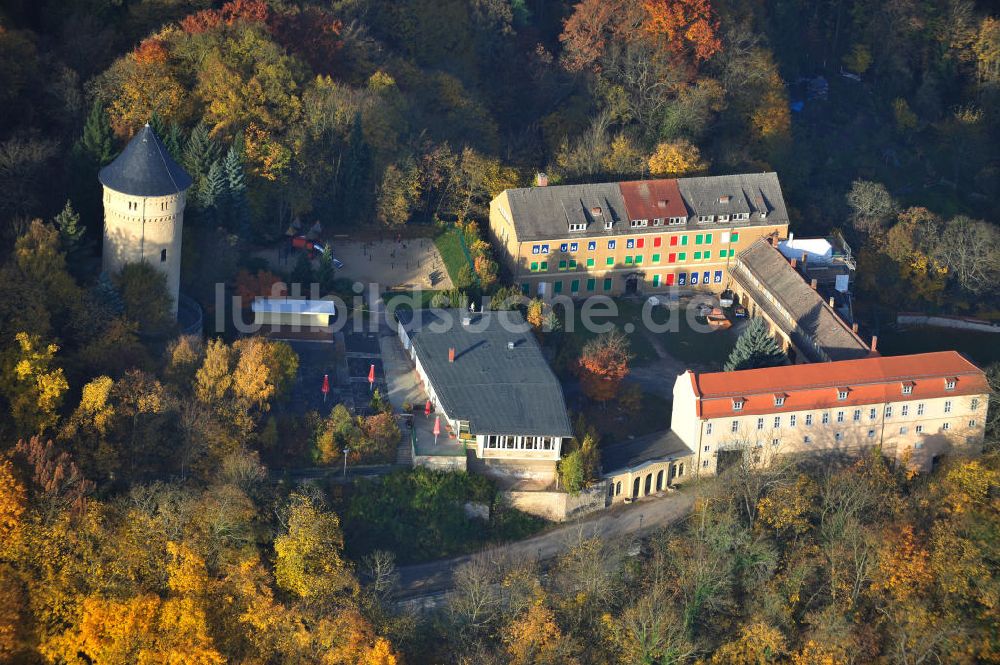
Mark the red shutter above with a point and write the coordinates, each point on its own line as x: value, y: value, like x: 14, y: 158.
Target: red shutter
x: 671, y: 258
x: 670, y: 279
x: 673, y: 241
x: 657, y: 241
x: 639, y: 242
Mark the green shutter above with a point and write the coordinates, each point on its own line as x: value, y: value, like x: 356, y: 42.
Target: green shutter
x: 611, y: 260
x: 534, y: 266
x: 682, y: 256
x: 607, y: 284
x: 590, y: 263
x: 591, y: 284
x: 545, y: 265
x: 638, y: 258
x: 684, y: 240
x: 698, y: 238
x: 562, y: 265
x: 708, y: 255
x: 574, y: 286
x: 697, y: 256
x: 524, y: 289
x: 558, y: 286
x: 734, y: 237
x: 656, y: 258
x: 656, y: 280
x: 628, y: 260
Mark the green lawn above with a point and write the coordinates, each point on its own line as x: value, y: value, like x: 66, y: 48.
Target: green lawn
x: 686, y: 344
x: 449, y: 244
x: 983, y: 348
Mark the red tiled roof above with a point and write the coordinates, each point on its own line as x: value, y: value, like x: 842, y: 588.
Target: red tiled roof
x: 652, y: 199
x: 815, y: 386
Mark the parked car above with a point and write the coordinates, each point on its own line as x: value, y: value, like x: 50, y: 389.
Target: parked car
x: 740, y: 312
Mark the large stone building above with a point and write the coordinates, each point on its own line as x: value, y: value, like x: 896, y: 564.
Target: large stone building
x: 916, y: 408
x: 631, y: 237
x: 493, y: 389
x: 144, y: 195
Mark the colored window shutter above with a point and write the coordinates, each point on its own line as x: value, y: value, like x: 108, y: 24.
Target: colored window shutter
x: 673, y: 241
x: 611, y: 260
x: 607, y: 284
x: 545, y: 265
x: 628, y: 260
x: 671, y: 258
x: 591, y: 284
x: 734, y: 237
x: 708, y: 254
x: 697, y: 256
x: 670, y: 279
x: 638, y: 258
x: 590, y: 263
x: 572, y: 263
x: 562, y: 265
x: 558, y: 286
x: 657, y: 242
x: 682, y: 256
x: 656, y: 258
x: 656, y: 280
x: 708, y: 238
x: 574, y: 286
x: 524, y: 289
x: 732, y: 252
x: 684, y: 240
x: 640, y: 242
x: 534, y: 266
x: 698, y: 239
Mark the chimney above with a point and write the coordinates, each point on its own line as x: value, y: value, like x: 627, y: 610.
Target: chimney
x: 855, y: 328
x: 805, y: 255
x: 795, y: 263
x: 466, y: 320
x: 832, y: 303
x: 451, y: 354
x: 813, y: 284
x: 541, y: 179
x: 510, y: 346
x: 874, y: 343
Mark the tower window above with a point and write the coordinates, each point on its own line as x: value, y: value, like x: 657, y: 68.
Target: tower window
x: 163, y: 256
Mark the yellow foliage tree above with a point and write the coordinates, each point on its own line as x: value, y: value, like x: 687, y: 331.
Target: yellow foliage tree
x: 534, y: 638
x: 758, y: 644
x: 13, y: 501
x: 676, y: 158
x: 33, y: 387
x: 788, y: 506
x: 902, y: 568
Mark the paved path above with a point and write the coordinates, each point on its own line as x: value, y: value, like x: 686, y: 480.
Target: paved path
x: 435, y: 577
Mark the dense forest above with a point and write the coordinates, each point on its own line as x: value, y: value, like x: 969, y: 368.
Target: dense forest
x: 139, y: 519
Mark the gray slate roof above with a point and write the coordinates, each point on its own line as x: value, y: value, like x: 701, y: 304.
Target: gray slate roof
x: 145, y: 168
x: 816, y: 322
x: 546, y: 212
x: 542, y: 213
x: 624, y: 455
x: 498, y: 390
x: 748, y: 192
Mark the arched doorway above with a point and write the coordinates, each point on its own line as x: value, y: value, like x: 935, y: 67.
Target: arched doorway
x: 632, y: 283
x: 635, y: 488
x: 649, y: 484
x: 659, y: 480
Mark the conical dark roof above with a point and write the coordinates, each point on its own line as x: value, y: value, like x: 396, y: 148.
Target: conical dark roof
x: 145, y: 168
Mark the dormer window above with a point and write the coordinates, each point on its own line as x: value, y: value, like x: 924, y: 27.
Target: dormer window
x: 724, y: 199
x: 842, y: 393
x: 949, y: 384
x: 608, y: 225
x: 578, y: 226
x: 723, y: 218
x: 907, y: 388
x: 763, y: 214
x: 706, y: 218
x: 678, y: 220
x: 662, y: 203
x: 737, y: 405
x: 658, y: 221
x: 779, y: 400
x: 636, y: 223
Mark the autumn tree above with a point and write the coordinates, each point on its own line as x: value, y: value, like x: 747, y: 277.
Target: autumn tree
x: 308, y: 561
x: 145, y: 296
x: 675, y: 159
x: 32, y: 384
x: 603, y: 365
x: 535, y: 639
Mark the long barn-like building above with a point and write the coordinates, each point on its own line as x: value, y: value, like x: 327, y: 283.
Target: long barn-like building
x: 634, y: 237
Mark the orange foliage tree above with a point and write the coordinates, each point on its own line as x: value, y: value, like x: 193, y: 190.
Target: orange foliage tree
x: 249, y: 11
x: 685, y: 27
x: 261, y: 284
x: 604, y: 364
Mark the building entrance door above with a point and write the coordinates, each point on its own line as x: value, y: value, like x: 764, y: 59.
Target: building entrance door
x: 631, y: 284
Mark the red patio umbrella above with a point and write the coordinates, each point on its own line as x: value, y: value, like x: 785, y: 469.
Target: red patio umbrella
x: 326, y: 386
x: 437, y: 428
x: 371, y: 377
x: 427, y: 408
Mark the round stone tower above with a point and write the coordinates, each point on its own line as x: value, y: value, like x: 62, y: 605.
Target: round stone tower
x: 144, y: 195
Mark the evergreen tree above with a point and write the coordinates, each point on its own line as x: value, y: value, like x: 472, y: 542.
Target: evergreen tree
x: 237, y: 211
x: 302, y: 273
x: 325, y: 273
x: 199, y: 155
x: 755, y: 348
x: 97, y: 143
x: 157, y: 124
x: 71, y: 232
x: 214, y: 193
x: 355, y: 185
x: 173, y: 140
x: 108, y: 296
